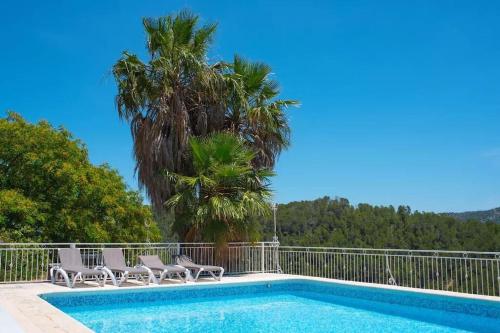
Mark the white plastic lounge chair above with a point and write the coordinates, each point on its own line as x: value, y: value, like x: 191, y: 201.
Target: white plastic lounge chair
x: 114, y: 262
x: 186, y: 262
x: 71, y: 265
x: 155, y: 264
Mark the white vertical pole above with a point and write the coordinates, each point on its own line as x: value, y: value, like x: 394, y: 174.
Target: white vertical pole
x: 275, y: 237
x: 276, y: 243
x: 262, y: 261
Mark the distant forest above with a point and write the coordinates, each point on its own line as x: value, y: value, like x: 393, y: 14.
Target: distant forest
x: 337, y: 223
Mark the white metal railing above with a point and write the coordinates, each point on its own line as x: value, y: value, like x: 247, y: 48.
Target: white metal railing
x: 457, y: 271
x: 30, y: 262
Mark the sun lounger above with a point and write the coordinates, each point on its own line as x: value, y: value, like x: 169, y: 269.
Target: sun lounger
x: 155, y: 264
x: 186, y: 262
x: 70, y: 264
x: 114, y: 262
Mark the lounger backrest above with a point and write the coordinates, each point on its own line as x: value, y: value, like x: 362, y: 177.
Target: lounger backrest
x: 183, y: 259
x: 113, y: 257
x: 151, y: 261
x: 70, y: 257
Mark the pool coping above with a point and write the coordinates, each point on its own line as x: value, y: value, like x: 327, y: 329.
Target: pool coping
x: 33, y: 314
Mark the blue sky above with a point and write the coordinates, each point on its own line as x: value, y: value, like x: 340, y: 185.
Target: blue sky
x: 400, y: 99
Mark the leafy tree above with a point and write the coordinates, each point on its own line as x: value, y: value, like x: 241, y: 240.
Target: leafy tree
x: 177, y: 94
x: 223, y: 193
x: 50, y: 192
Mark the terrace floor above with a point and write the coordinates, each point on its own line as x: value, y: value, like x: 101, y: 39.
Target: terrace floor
x: 21, y: 310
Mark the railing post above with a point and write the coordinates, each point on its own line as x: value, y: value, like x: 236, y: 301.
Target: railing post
x: 276, y: 249
x: 262, y: 260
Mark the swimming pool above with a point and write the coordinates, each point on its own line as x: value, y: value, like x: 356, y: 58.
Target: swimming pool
x: 276, y: 306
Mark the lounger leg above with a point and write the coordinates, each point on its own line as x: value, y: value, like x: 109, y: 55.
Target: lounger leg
x: 99, y: 281
x: 52, y: 274
x: 187, y: 275
x: 151, y: 276
x: 76, y: 277
x: 105, y: 277
x: 219, y: 277
x: 65, y: 277
x: 109, y: 273
x: 162, y: 276
x: 123, y: 278
x: 198, y: 274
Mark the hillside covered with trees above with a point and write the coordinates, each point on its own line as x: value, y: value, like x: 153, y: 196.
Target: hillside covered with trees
x: 337, y: 223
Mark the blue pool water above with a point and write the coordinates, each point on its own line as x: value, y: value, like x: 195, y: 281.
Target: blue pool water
x: 281, y: 306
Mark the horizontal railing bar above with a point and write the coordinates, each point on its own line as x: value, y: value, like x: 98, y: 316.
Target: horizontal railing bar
x: 193, y: 243
x: 383, y: 250
x: 391, y: 255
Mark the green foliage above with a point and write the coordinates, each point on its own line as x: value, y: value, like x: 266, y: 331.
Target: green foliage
x: 223, y: 193
x: 327, y: 222
x: 18, y: 216
x: 50, y: 192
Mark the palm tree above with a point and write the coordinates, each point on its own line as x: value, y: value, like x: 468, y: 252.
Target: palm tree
x: 259, y: 117
x: 178, y: 94
x: 224, y: 191
x: 173, y: 96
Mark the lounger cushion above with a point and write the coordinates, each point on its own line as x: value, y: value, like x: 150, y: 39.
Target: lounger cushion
x: 71, y: 262
x: 169, y: 268
x: 70, y: 257
x: 113, y: 257
x: 83, y: 270
x: 175, y: 269
x: 184, y: 262
x: 155, y: 263
x: 130, y: 270
x: 205, y: 267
